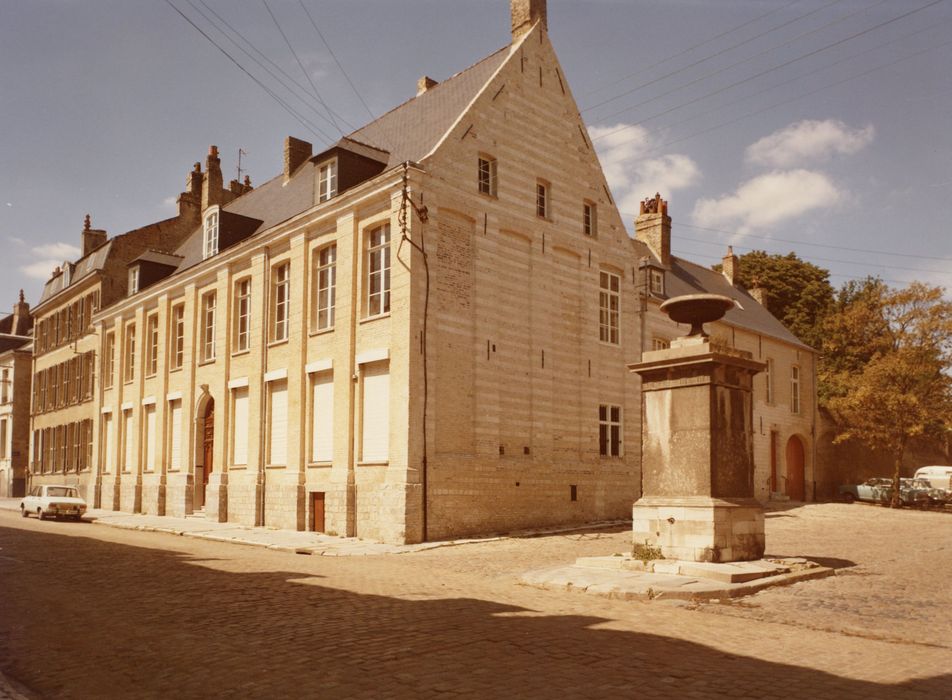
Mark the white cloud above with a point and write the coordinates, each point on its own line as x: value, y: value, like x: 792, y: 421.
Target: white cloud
x: 170, y: 202
x: 631, y: 174
x: 769, y: 199
x: 41, y: 269
x: 60, y: 250
x: 806, y: 141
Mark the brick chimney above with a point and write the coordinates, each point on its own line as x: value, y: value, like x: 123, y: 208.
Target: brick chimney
x: 212, y: 184
x: 21, y: 317
x: 730, y: 265
x: 525, y: 14
x: 758, y: 292
x: 296, y: 153
x: 92, y: 238
x: 424, y: 84
x: 653, y: 228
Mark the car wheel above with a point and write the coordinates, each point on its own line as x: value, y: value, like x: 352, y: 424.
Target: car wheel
x: 76, y: 518
x: 39, y: 514
x: 848, y: 498
x: 24, y: 512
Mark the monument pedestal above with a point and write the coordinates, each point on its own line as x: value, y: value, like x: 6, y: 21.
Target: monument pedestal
x: 697, y: 469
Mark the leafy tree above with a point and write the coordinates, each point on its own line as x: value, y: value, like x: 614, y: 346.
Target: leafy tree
x: 799, y: 293
x: 898, y: 386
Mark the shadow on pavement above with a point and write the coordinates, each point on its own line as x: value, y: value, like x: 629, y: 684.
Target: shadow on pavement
x: 84, y: 618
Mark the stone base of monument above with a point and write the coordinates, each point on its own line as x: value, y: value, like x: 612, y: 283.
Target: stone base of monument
x: 698, y: 529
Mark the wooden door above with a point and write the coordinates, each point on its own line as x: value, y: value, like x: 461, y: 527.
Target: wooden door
x: 208, y: 441
x: 774, y: 439
x: 795, y: 471
x: 317, y: 511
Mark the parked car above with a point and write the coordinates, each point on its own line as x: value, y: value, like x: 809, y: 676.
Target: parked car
x: 939, y: 477
x: 880, y: 490
x: 51, y: 501
x: 937, y: 497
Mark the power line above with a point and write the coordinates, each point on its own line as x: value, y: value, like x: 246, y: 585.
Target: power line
x: 303, y: 69
x: 290, y: 110
x: 771, y: 70
x: 334, y: 56
x: 707, y: 58
x: 688, y: 50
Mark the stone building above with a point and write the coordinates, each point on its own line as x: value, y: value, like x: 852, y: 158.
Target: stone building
x: 15, y: 381
x: 420, y: 332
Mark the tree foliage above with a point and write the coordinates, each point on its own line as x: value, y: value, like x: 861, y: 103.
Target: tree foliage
x: 798, y: 293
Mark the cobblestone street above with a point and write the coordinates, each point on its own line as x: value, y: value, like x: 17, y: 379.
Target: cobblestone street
x: 91, y: 611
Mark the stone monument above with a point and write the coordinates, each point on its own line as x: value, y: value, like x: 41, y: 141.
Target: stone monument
x: 697, y: 501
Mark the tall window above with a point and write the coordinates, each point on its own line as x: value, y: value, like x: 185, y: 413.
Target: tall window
x: 278, y: 423
x: 608, y: 307
x: 280, y: 301
x: 375, y: 412
x: 5, y: 387
x: 133, y: 279
x: 149, y: 437
x: 129, y: 364
x: 327, y: 181
x: 487, y: 175
x: 107, y: 448
x: 210, y: 237
x: 127, y: 442
x: 322, y: 417
x: 175, y: 434
x: 322, y: 314
x: 542, y: 199
x: 152, y: 338
x: 609, y: 430
x: 378, y: 271
x: 242, y: 315
x: 3, y: 438
x: 589, y: 219
x: 795, y: 389
x: 208, y: 327
x: 768, y: 376
x: 177, y: 349
x: 239, y: 428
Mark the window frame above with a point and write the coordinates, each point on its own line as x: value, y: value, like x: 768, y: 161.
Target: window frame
x: 177, y: 338
x: 381, y: 249
x: 241, y: 327
x: 209, y: 304
x: 609, y: 317
x: 544, y: 199
x: 655, y: 281
x: 280, y: 326
x: 610, y: 427
x: 327, y: 186
x: 129, y: 354
x: 152, y: 349
x: 769, y: 381
x: 795, y: 387
x: 325, y: 288
x: 210, y: 234
x: 590, y: 218
x: 133, y: 280
x: 487, y: 175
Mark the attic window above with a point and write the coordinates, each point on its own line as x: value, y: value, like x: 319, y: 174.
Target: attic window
x: 327, y: 181
x: 133, y: 280
x: 656, y: 281
x: 210, y: 237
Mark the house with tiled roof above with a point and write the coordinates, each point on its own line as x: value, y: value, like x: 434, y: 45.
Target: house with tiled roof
x: 420, y: 332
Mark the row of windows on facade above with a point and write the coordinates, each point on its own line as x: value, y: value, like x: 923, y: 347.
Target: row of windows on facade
x: 63, y: 448
x: 326, y: 188
x: 322, y: 310
x: 66, y: 325
x: 487, y: 177
x: 65, y: 384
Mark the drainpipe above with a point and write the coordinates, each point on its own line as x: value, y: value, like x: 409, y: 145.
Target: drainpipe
x: 263, y: 399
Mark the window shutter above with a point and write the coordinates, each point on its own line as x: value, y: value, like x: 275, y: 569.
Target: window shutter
x: 322, y: 418
x: 150, y: 437
x: 175, y: 432
x: 239, y: 432
x: 107, y: 440
x: 127, y: 441
x: 278, y: 450
x: 375, y: 438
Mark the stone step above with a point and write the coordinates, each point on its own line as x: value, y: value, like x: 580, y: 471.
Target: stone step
x: 200, y: 514
x: 730, y: 572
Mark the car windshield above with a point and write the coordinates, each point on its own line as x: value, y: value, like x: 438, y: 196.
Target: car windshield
x: 919, y: 484
x: 61, y: 492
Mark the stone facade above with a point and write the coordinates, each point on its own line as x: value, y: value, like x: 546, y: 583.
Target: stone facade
x: 15, y: 382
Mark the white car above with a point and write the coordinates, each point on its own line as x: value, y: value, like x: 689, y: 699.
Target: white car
x: 50, y: 501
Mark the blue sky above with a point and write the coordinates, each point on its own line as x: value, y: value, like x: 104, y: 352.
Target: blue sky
x: 818, y: 126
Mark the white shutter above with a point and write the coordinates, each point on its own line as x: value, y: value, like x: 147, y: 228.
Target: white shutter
x: 239, y: 430
x: 278, y: 449
x: 108, y: 439
x: 175, y: 431
x: 127, y: 440
x: 375, y: 438
x: 150, y: 436
x: 322, y: 418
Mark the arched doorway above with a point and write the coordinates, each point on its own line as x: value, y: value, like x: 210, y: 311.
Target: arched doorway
x: 795, y: 471
x: 206, y: 446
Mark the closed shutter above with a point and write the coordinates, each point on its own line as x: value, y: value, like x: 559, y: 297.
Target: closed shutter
x: 375, y: 438
x: 127, y: 440
x: 322, y: 418
x: 150, y: 437
x: 108, y: 443
x: 278, y: 448
x: 175, y: 434
x: 239, y: 431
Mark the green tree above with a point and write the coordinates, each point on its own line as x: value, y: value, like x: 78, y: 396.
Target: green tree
x: 798, y: 293
x: 898, y: 386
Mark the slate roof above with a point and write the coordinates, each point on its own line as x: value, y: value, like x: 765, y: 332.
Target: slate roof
x: 85, y: 266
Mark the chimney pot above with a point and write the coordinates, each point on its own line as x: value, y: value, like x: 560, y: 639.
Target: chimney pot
x: 525, y: 14
x: 653, y: 228
x: 91, y: 238
x: 424, y: 84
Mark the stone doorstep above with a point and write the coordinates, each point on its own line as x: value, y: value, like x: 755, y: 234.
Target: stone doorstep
x: 729, y: 572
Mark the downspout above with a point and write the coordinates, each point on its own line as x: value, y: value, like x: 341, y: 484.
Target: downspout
x: 421, y: 213
x: 816, y: 414
x: 263, y: 398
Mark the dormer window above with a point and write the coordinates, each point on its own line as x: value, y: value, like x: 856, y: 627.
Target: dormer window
x: 327, y: 181
x: 133, y: 280
x: 210, y: 238
x: 656, y: 281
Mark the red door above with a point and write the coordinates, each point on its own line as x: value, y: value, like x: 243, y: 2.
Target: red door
x: 795, y: 471
x: 317, y: 511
